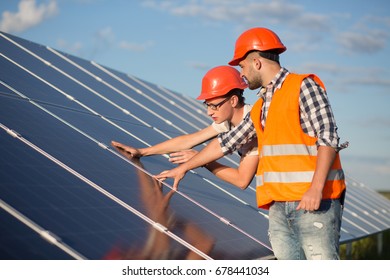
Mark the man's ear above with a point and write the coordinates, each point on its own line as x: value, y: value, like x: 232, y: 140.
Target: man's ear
x: 255, y: 59
x: 234, y: 101
x: 257, y: 63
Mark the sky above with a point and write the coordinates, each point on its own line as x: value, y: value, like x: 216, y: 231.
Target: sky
x: 174, y: 43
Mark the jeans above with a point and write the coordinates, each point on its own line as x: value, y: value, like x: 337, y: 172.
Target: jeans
x: 312, y: 235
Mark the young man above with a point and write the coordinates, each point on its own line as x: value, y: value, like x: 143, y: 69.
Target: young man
x: 299, y: 176
x: 222, y: 90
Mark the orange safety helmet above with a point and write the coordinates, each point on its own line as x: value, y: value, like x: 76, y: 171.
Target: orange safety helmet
x: 219, y: 81
x: 258, y: 38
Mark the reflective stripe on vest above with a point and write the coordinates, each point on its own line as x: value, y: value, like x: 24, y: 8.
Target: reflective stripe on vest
x: 289, y: 149
x: 292, y: 177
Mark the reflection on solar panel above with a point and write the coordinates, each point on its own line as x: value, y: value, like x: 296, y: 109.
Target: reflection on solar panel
x: 65, y: 193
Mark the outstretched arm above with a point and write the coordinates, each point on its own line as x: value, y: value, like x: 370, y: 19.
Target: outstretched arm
x: 210, y: 153
x: 217, y: 148
x: 179, y: 143
x: 240, y: 177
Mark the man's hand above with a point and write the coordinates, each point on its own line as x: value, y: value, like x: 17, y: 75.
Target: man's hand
x: 182, y: 156
x: 130, y: 150
x: 311, y: 200
x: 177, y: 174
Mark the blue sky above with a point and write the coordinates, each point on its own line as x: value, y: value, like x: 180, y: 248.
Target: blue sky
x: 174, y: 43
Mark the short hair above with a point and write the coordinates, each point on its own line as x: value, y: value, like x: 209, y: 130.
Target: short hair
x: 270, y: 55
x: 237, y: 92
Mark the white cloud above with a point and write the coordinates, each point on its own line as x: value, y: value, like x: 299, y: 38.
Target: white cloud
x: 74, y: 48
x: 199, y: 66
x: 367, y: 34
x: 135, y: 47
x: 367, y: 42
x: 247, y: 12
x: 28, y: 15
x: 105, y: 34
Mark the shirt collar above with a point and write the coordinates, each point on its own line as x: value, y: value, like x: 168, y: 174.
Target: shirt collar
x: 278, y: 80
x: 275, y: 83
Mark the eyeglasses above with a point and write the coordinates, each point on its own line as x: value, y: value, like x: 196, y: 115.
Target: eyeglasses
x: 215, y: 107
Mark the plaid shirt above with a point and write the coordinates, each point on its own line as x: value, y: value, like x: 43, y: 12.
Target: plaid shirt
x: 316, y: 116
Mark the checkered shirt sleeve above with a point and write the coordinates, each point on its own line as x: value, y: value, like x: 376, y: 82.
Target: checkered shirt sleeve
x: 237, y: 137
x: 317, y: 118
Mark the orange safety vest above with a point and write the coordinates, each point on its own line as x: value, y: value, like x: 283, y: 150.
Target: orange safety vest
x: 288, y: 155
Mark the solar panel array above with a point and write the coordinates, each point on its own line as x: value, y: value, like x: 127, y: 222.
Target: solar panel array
x: 65, y: 193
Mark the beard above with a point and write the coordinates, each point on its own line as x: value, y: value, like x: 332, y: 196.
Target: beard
x: 253, y: 79
x: 254, y: 83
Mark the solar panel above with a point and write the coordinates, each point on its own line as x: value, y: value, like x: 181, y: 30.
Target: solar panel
x: 63, y: 184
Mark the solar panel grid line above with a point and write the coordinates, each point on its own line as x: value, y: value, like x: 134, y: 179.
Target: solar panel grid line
x: 196, y: 112
x: 192, y: 200
x: 358, y: 206
x: 100, y: 67
x: 219, y: 217
x: 93, y: 112
x: 235, y: 163
x: 195, y: 104
x: 15, y: 186
x: 85, y: 86
x: 73, y: 99
x: 15, y: 134
x: 355, y: 225
x: 162, y: 106
x: 352, y: 211
x: 372, y: 199
x: 193, y: 108
x: 47, y: 63
x: 103, y: 191
x: 111, y: 87
x: 375, y: 199
x: 364, y: 221
x: 232, y: 195
x: 225, y: 191
x: 126, y: 95
x: 95, y: 92
x: 125, y: 131
x: 222, y: 219
x: 147, y: 96
x: 99, y: 143
x: 189, y: 246
x: 45, y: 234
x: 377, y: 216
x: 344, y: 230
x: 369, y: 215
x: 70, y: 97
x: 200, y: 205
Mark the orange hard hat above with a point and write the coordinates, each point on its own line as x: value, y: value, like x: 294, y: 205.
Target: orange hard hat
x: 258, y: 38
x: 219, y: 81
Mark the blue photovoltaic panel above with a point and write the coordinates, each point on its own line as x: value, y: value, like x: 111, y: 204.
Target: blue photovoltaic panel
x: 61, y: 183
x: 98, y: 165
